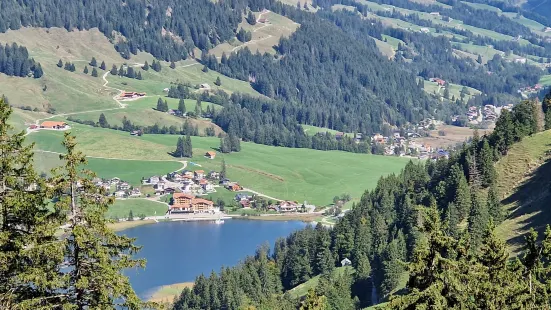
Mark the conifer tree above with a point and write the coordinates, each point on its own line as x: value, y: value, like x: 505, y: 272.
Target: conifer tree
x: 139, y: 76
x: 94, y: 72
x: 223, y: 172
x: 114, y: 70
x: 103, y: 121
x: 37, y: 71
x: 145, y: 66
x: 95, y: 255
x: 28, y: 244
x: 85, y: 71
x: 323, y: 260
x: 251, y: 19
x: 314, y: 302
x: 486, y: 165
x: 218, y: 82
x: 494, y: 205
x: 93, y: 62
x: 205, y: 69
x: 121, y: 71
x: 180, y: 148
x: 478, y: 219
x: 103, y: 66
x: 60, y: 64
x: 182, y: 106
x: 188, y: 147
x: 172, y: 65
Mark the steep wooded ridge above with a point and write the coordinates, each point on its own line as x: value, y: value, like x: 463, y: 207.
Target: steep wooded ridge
x: 201, y: 23
x: 432, y: 213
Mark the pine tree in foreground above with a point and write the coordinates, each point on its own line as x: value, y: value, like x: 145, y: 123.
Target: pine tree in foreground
x: 95, y: 255
x: 28, y: 256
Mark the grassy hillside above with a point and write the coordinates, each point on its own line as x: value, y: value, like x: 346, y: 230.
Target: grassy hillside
x: 264, y: 35
x: 142, y: 112
x: 302, y: 289
x: 299, y: 174
x: 70, y: 92
x: 524, y: 181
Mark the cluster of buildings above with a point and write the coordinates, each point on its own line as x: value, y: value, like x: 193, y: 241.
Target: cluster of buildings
x: 530, y: 89
x: 186, y: 181
x: 122, y: 189
x: 247, y: 201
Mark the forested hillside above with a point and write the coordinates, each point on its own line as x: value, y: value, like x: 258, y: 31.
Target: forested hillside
x: 189, y: 24
x: 386, y: 229
x: 323, y: 70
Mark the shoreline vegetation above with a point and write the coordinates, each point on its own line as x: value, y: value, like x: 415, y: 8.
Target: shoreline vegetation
x: 166, y: 293
x: 304, y: 217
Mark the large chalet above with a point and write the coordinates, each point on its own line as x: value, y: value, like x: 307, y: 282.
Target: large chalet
x: 185, y: 203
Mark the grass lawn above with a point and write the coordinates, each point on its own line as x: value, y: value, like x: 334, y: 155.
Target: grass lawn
x: 302, y: 289
x: 454, y: 89
x: 122, y: 207
x: 545, y: 80
x: 284, y: 173
x: 131, y: 171
x: 524, y: 176
x: 312, y: 130
x: 298, y: 174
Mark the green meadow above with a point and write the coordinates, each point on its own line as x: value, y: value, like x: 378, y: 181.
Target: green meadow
x: 131, y: 171
x: 122, y: 207
x: 284, y: 173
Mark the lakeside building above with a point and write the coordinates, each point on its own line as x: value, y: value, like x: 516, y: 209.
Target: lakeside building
x: 186, y: 203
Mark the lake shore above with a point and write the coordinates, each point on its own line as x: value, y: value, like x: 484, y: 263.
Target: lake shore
x: 304, y: 217
x: 166, y: 293
x: 119, y: 226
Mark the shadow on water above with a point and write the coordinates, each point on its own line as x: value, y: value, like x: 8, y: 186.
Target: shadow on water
x: 532, y: 203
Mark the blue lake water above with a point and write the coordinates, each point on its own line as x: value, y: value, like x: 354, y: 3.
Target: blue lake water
x: 179, y: 251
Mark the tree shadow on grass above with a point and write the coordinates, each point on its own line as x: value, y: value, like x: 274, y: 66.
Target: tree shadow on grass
x: 533, y: 198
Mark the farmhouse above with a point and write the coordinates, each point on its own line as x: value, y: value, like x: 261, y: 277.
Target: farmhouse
x: 120, y: 194
x: 438, y: 81
x: 199, y: 174
x: 288, y: 206
x: 123, y: 186
x: 53, y: 125
x: 210, y: 154
x: 234, y: 187
x: 339, y: 135
x: 214, y: 175
x: 131, y: 95
x: 204, y: 86
x: 135, y: 192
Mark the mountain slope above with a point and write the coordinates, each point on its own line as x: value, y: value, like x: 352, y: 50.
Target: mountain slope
x: 524, y: 179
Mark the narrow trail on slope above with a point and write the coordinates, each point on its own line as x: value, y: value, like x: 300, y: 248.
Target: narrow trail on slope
x: 120, y: 104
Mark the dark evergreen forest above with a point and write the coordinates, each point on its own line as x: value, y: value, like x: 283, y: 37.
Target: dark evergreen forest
x: 15, y: 61
x: 198, y: 23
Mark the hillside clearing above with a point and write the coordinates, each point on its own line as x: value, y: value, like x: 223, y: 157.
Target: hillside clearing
x: 524, y: 176
x: 167, y: 293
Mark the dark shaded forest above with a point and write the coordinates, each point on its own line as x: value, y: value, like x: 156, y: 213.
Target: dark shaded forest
x: 15, y: 61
